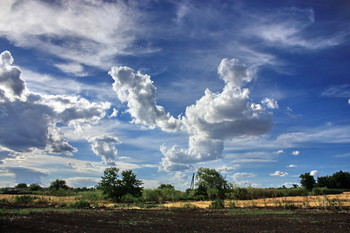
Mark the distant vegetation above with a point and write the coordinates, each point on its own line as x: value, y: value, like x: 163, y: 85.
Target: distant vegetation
x: 124, y: 187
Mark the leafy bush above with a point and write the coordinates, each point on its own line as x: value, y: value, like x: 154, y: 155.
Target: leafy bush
x: 94, y: 195
x: 24, y: 199
x: 217, y: 204
x: 296, y: 192
x: 162, y: 194
x: 325, y: 191
x: 62, y: 192
x: 128, y: 198
x: 80, y: 204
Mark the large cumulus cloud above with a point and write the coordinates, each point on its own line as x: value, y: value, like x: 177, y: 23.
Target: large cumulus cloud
x: 30, y: 120
x: 214, y: 118
x: 140, y: 94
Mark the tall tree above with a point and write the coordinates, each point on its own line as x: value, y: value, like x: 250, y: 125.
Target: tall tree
x: 210, y: 179
x: 58, y: 184
x: 307, y: 181
x: 115, y: 187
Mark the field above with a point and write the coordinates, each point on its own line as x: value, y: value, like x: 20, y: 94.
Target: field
x: 320, y: 202
x: 53, y: 214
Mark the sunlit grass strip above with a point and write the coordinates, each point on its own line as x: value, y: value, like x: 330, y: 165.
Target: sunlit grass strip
x: 36, y: 210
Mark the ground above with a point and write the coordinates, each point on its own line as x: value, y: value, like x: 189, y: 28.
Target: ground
x: 33, y: 219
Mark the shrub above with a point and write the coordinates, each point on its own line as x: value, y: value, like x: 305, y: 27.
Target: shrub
x: 62, y: 192
x: 296, y: 192
x: 80, y: 204
x: 94, y: 195
x: 24, y: 199
x: 217, y: 204
x: 128, y: 198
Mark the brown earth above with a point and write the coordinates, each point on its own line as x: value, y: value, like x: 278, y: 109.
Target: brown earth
x: 171, y: 220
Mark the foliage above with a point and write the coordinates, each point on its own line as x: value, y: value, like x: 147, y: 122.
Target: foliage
x: 58, y: 184
x: 61, y: 192
x: 24, y: 199
x: 210, y: 179
x: 128, y: 198
x: 339, y: 180
x: 217, y: 204
x: 93, y: 195
x: 162, y: 194
x: 115, y: 188
x: 307, y: 181
x: 21, y: 185
x: 80, y: 204
x: 35, y: 187
x: 166, y: 186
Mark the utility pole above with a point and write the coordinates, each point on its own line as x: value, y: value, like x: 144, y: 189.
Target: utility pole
x: 192, y: 182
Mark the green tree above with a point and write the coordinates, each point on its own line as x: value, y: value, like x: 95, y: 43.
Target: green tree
x: 130, y: 184
x: 21, y: 185
x: 341, y: 180
x: 307, y: 181
x: 210, y: 179
x: 166, y: 186
x: 58, y: 184
x: 35, y: 187
x: 115, y: 187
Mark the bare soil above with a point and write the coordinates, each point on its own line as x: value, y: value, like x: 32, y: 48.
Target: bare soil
x: 171, y: 220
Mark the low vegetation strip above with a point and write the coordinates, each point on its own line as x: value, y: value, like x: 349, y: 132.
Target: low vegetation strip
x: 325, y: 201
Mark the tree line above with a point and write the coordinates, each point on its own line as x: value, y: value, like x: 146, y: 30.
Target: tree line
x: 123, y: 186
x: 339, y: 180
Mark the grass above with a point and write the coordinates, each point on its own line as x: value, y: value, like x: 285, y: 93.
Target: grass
x: 35, y: 210
x: 256, y: 212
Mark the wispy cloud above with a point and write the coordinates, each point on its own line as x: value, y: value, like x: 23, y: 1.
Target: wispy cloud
x: 341, y: 91
x: 279, y: 173
x: 84, y: 32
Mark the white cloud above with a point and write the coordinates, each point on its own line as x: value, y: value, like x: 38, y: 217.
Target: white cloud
x: 279, y: 152
x: 72, y: 68
x: 290, y: 28
x: 340, y: 91
x: 29, y: 120
x: 314, y: 173
x: 114, y: 113
x: 342, y: 155
x: 11, y: 85
x: 296, y: 152
x: 83, y: 32
x: 82, y: 181
x: 270, y: 103
x: 252, y: 157
x: 348, y: 101
x: 279, y: 173
x: 140, y: 94
x: 242, y: 175
x: 226, y: 169
x: 59, y: 85
x: 105, y: 147
x: 150, y: 184
x: 217, y: 117
x: 292, y: 165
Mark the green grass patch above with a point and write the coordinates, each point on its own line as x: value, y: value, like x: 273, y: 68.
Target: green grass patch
x: 35, y: 210
x: 257, y: 212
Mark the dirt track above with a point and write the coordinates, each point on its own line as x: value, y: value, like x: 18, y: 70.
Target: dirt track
x: 176, y: 220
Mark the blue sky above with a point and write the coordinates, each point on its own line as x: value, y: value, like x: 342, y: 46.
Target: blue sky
x: 258, y: 90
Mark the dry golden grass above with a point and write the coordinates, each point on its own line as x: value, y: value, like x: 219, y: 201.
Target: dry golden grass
x: 326, y: 201
x: 54, y: 200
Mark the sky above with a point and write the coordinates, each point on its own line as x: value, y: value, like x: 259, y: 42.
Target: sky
x: 258, y: 90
